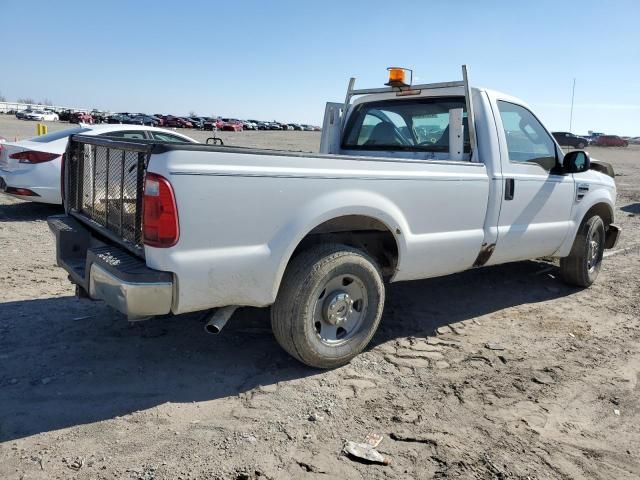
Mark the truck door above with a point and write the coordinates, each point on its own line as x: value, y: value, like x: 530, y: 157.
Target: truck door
x: 537, y: 200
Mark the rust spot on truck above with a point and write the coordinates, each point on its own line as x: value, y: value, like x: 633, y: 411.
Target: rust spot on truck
x: 485, y: 254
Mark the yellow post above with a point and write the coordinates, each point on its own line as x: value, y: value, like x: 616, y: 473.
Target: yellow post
x: 41, y: 129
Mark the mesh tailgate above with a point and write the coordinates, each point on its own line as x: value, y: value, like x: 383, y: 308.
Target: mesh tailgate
x: 104, y: 184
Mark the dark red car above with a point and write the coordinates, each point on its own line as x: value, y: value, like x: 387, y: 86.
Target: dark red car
x: 611, y: 141
x: 177, y: 122
x: 231, y: 125
x: 213, y: 124
x: 80, y: 117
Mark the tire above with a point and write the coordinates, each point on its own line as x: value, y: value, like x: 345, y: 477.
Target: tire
x: 581, y: 145
x: 329, y: 305
x: 583, y: 264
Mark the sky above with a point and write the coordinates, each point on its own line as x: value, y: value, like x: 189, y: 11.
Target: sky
x: 282, y: 60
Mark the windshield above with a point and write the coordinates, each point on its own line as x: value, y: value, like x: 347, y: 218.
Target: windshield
x: 408, y: 125
x: 51, y: 137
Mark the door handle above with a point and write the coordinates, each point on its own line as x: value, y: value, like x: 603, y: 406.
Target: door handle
x: 509, y: 188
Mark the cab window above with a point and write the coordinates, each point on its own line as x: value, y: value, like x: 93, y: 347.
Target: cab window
x: 527, y: 140
x: 420, y: 125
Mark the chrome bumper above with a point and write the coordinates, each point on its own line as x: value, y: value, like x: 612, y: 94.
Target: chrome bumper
x: 134, y: 299
x: 106, y: 272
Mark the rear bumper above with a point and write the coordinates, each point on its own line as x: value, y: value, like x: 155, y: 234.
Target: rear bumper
x: 43, y: 190
x: 134, y: 299
x: 612, y: 236
x: 109, y: 273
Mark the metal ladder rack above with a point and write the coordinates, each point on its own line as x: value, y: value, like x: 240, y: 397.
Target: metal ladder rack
x: 415, y: 89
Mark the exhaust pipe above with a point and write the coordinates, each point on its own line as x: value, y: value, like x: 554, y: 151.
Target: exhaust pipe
x: 218, y: 319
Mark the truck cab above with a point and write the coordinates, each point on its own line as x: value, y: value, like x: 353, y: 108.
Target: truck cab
x: 533, y: 196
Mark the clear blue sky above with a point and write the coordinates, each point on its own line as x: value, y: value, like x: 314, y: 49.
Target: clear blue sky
x: 284, y: 59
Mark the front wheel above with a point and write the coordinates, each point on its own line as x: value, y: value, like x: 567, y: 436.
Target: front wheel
x: 581, y: 145
x: 583, y: 264
x: 329, y: 305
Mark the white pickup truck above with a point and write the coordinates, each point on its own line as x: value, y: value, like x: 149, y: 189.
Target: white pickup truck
x: 412, y: 181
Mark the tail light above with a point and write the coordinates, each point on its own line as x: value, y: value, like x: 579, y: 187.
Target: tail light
x: 32, y: 156
x: 160, y: 215
x: 25, y: 192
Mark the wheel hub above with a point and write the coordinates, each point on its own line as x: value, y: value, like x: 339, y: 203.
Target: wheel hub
x: 341, y: 308
x: 594, y: 248
x: 337, y: 308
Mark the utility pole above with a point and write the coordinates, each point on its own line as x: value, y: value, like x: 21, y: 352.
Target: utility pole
x: 573, y: 93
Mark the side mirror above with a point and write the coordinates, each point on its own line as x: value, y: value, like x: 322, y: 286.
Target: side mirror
x: 576, y: 161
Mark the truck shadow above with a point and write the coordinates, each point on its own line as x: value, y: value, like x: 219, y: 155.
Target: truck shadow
x: 27, y: 211
x: 631, y: 208
x: 66, y: 362
x: 419, y: 308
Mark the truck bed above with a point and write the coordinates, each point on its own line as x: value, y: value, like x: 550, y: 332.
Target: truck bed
x: 242, y: 212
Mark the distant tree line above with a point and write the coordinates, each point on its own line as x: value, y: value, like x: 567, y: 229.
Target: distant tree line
x: 29, y: 100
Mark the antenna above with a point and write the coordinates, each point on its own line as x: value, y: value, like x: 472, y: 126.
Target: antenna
x: 573, y: 93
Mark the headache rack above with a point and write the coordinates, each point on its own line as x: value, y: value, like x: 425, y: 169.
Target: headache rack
x: 103, y: 186
x: 415, y: 90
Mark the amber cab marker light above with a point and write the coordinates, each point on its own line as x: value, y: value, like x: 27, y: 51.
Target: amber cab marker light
x: 398, y: 77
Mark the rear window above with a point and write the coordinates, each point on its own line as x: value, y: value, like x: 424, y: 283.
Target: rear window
x: 167, y: 137
x: 406, y: 125
x: 52, y: 137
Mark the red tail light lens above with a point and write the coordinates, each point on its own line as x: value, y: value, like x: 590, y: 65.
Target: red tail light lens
x: 25, y: 192
x: 31, y: 156
x: 160, y: 215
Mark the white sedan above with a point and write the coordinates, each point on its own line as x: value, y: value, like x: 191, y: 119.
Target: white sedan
x: 42, y: 115
x: 30, y: 169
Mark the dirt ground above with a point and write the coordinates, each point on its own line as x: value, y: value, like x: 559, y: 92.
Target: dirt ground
x: 86, y: 395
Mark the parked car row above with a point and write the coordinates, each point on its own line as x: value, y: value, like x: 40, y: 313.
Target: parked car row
x: 40, y: 115
x: 571, y: 140
x: 160, y: 120
x: 260, y: 125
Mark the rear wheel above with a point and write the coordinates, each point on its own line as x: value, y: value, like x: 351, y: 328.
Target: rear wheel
x: 583, y: 264
x: 329, y: 305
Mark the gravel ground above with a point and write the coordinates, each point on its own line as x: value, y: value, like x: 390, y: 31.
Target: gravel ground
x: 84, y: 394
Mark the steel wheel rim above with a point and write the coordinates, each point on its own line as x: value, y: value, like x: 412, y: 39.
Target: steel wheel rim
x: 340, y: 309
x: 593, y: 252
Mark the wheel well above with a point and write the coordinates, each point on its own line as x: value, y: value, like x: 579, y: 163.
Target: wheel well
x: 603, y: 211
x: 358, y: 231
